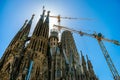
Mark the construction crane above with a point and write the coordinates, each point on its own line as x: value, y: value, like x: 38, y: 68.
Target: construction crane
x: 59, y: 17
x: 70, y: 18
x: 100, y: 39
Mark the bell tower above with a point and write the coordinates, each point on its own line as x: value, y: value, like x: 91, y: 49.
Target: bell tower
x: 56, y: 56
x: 35, y: 66
x: 10, y: 62
x: 9, y: 48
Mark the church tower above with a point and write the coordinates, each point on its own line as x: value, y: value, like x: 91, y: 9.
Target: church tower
x: 9, y: 48
x: 68, y: 45
x: 35, y: 66
x: 13, y: 54
x: 56, y: 57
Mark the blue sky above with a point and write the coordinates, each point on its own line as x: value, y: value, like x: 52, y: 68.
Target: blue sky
x: 105, y: 15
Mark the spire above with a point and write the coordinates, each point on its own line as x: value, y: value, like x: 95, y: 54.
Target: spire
x: 42, y: 16
x: 83, y: 62
x: 89, y: 63
x: 90, y: 69
x: 26, y: 30
x: 47, y: 18
x: 27, y: 27
x: 39, y: 25
x: 43, y: 7
x: 30, y: 22
x: 83, y: 59
x: 24, y: 25
x: 87, y: 57
x: 18, y: 34
x: 81, y: 53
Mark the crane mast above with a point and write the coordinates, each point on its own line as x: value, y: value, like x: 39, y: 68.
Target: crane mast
x: 99, y: 38
x: 109, y: 61
x: 110, y: 64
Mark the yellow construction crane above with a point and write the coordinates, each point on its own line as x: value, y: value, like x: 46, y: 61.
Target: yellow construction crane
x: 59, y: 18
x: 99, y: 38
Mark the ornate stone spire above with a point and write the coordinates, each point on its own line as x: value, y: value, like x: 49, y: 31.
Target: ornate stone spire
x: 47, y: 18
x: 23, y: 25
x: 30, y: 22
